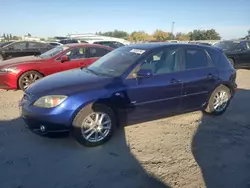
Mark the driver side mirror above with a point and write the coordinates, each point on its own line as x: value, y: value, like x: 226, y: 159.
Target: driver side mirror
x: 143, y: 73
x: 64, y: 58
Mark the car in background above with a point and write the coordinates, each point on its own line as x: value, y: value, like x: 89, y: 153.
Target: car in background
x: 238, y: 52
x: 69, y: 41
x: 19, y: 73
x: 55, y: 44
x: 134, y: 81
x: 23, y: 48
x: 111, y: 43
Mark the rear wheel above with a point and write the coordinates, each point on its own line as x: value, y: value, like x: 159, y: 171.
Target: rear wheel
x: 219, y: 100
x: 94, y: 125
x: 28, y: 78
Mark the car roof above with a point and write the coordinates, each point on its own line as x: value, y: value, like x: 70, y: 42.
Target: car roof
x: 85, y: 45
x: 155, y: 45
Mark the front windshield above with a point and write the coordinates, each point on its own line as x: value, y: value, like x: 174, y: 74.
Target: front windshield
x: 227, y: 45
x: 4, y: 44
x: 53, y: 52
x: 116, y: 62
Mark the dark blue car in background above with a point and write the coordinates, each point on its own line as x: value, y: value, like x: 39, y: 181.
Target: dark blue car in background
x: 137, y: 81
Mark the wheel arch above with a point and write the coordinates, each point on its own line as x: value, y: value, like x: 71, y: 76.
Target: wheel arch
x: 18, y: 78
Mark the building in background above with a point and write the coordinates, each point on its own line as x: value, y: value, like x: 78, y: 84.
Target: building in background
x: 30, y: 38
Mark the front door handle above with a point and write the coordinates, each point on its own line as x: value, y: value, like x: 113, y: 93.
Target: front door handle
x: 174, y: 81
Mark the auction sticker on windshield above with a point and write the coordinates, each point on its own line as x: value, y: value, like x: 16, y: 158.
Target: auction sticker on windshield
x: 137, y: 51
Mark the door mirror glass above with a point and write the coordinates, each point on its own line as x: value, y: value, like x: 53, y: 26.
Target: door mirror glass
x: 64, y: 58
x: 142, y: 73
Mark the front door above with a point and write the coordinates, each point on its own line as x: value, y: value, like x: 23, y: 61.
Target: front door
x: 16, y: 49
x: 199, y: 78
x: 244, y: 55
x: 160, y: 93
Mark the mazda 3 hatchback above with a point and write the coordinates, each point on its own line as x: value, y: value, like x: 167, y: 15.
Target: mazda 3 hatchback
x: 136, y: 81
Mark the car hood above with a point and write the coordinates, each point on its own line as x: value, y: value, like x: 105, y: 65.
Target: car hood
x: 69, y: 82
x: 19, y: 61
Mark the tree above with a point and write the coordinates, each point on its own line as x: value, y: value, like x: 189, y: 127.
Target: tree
x: 115, y: 33
x: 7, y: 37
x: 137, y: 36
x: 4, y: 36
x: 204, y: 35
x: 248, y: 32
x: 182, y: 37
x: 15, y: 38
x: 161, y: 35
x: 10, y: 36
x: 29, y: 35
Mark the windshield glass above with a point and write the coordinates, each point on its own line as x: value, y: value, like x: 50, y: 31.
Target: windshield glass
x: 116, y: 62
x: 53, y: 52
x: 4, y: 44
x: 227, y: 45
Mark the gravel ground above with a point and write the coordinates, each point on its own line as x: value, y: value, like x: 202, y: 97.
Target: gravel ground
x: 190, y: 150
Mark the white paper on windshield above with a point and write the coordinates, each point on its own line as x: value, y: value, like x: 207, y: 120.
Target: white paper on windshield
x: 137, y: 51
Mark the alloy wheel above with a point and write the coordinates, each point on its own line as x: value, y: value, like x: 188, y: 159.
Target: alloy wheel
x: 29, y: 79
x: 96, y: 126
x: 220, y: 101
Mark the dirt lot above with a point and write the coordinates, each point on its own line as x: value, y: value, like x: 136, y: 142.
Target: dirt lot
x: 190, y: 150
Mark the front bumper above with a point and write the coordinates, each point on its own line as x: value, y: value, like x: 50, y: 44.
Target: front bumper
x: 42, y: 120
x: 7, y: 81
x: 43, y: 127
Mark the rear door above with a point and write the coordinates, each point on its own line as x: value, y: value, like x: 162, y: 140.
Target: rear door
x: 199, y: 77
x: 94, y: 53
x: 33, y: 48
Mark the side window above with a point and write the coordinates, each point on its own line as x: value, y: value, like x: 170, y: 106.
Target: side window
x: 162, y: 62
x: 34, y: 45
x: 196, y: 59
x: 117, y: 44
x: 19, y: 46
x: 97, y: 52
x: 76, y: 53
x: 242, y: 46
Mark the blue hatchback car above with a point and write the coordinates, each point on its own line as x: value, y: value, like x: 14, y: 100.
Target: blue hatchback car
x: 137, y: 80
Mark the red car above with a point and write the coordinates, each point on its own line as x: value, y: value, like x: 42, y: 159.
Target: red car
x: 19, y: 73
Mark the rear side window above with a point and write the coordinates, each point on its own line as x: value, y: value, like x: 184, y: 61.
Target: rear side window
x: 98, y: 52
x: 215, y: 55
x: 34, y: 45
x: 195, y: 59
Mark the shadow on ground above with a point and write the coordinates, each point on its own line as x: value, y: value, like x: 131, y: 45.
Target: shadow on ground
x: 221, y: 145
x: 28, y: 160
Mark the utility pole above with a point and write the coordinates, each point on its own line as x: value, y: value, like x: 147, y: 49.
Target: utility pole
x: 172, y: 30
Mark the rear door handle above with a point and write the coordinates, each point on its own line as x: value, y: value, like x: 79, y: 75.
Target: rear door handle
x: 210, y: 76
x: 174, y: 81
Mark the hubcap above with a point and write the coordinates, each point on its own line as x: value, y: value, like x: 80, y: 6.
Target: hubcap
x: 96, y: 126
x: 220, y: 101
x: 29, y: 79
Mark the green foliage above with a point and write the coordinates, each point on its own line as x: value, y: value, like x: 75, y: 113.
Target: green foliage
x: 204, y: 35
x: 115, y: 33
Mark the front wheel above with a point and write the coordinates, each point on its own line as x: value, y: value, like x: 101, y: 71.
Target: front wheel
x: 28, y: 78
x: 94, y: 125
x: 219, y: 100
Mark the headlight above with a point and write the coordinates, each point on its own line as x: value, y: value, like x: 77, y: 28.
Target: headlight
x: 12, y: 69
x: 49, y: 101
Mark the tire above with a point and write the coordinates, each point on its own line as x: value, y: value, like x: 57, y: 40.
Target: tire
x: 28, y: 78
x: 83, y: 116
x: 232, y: 62
x: 1, y: 58
x: 211, y: 107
